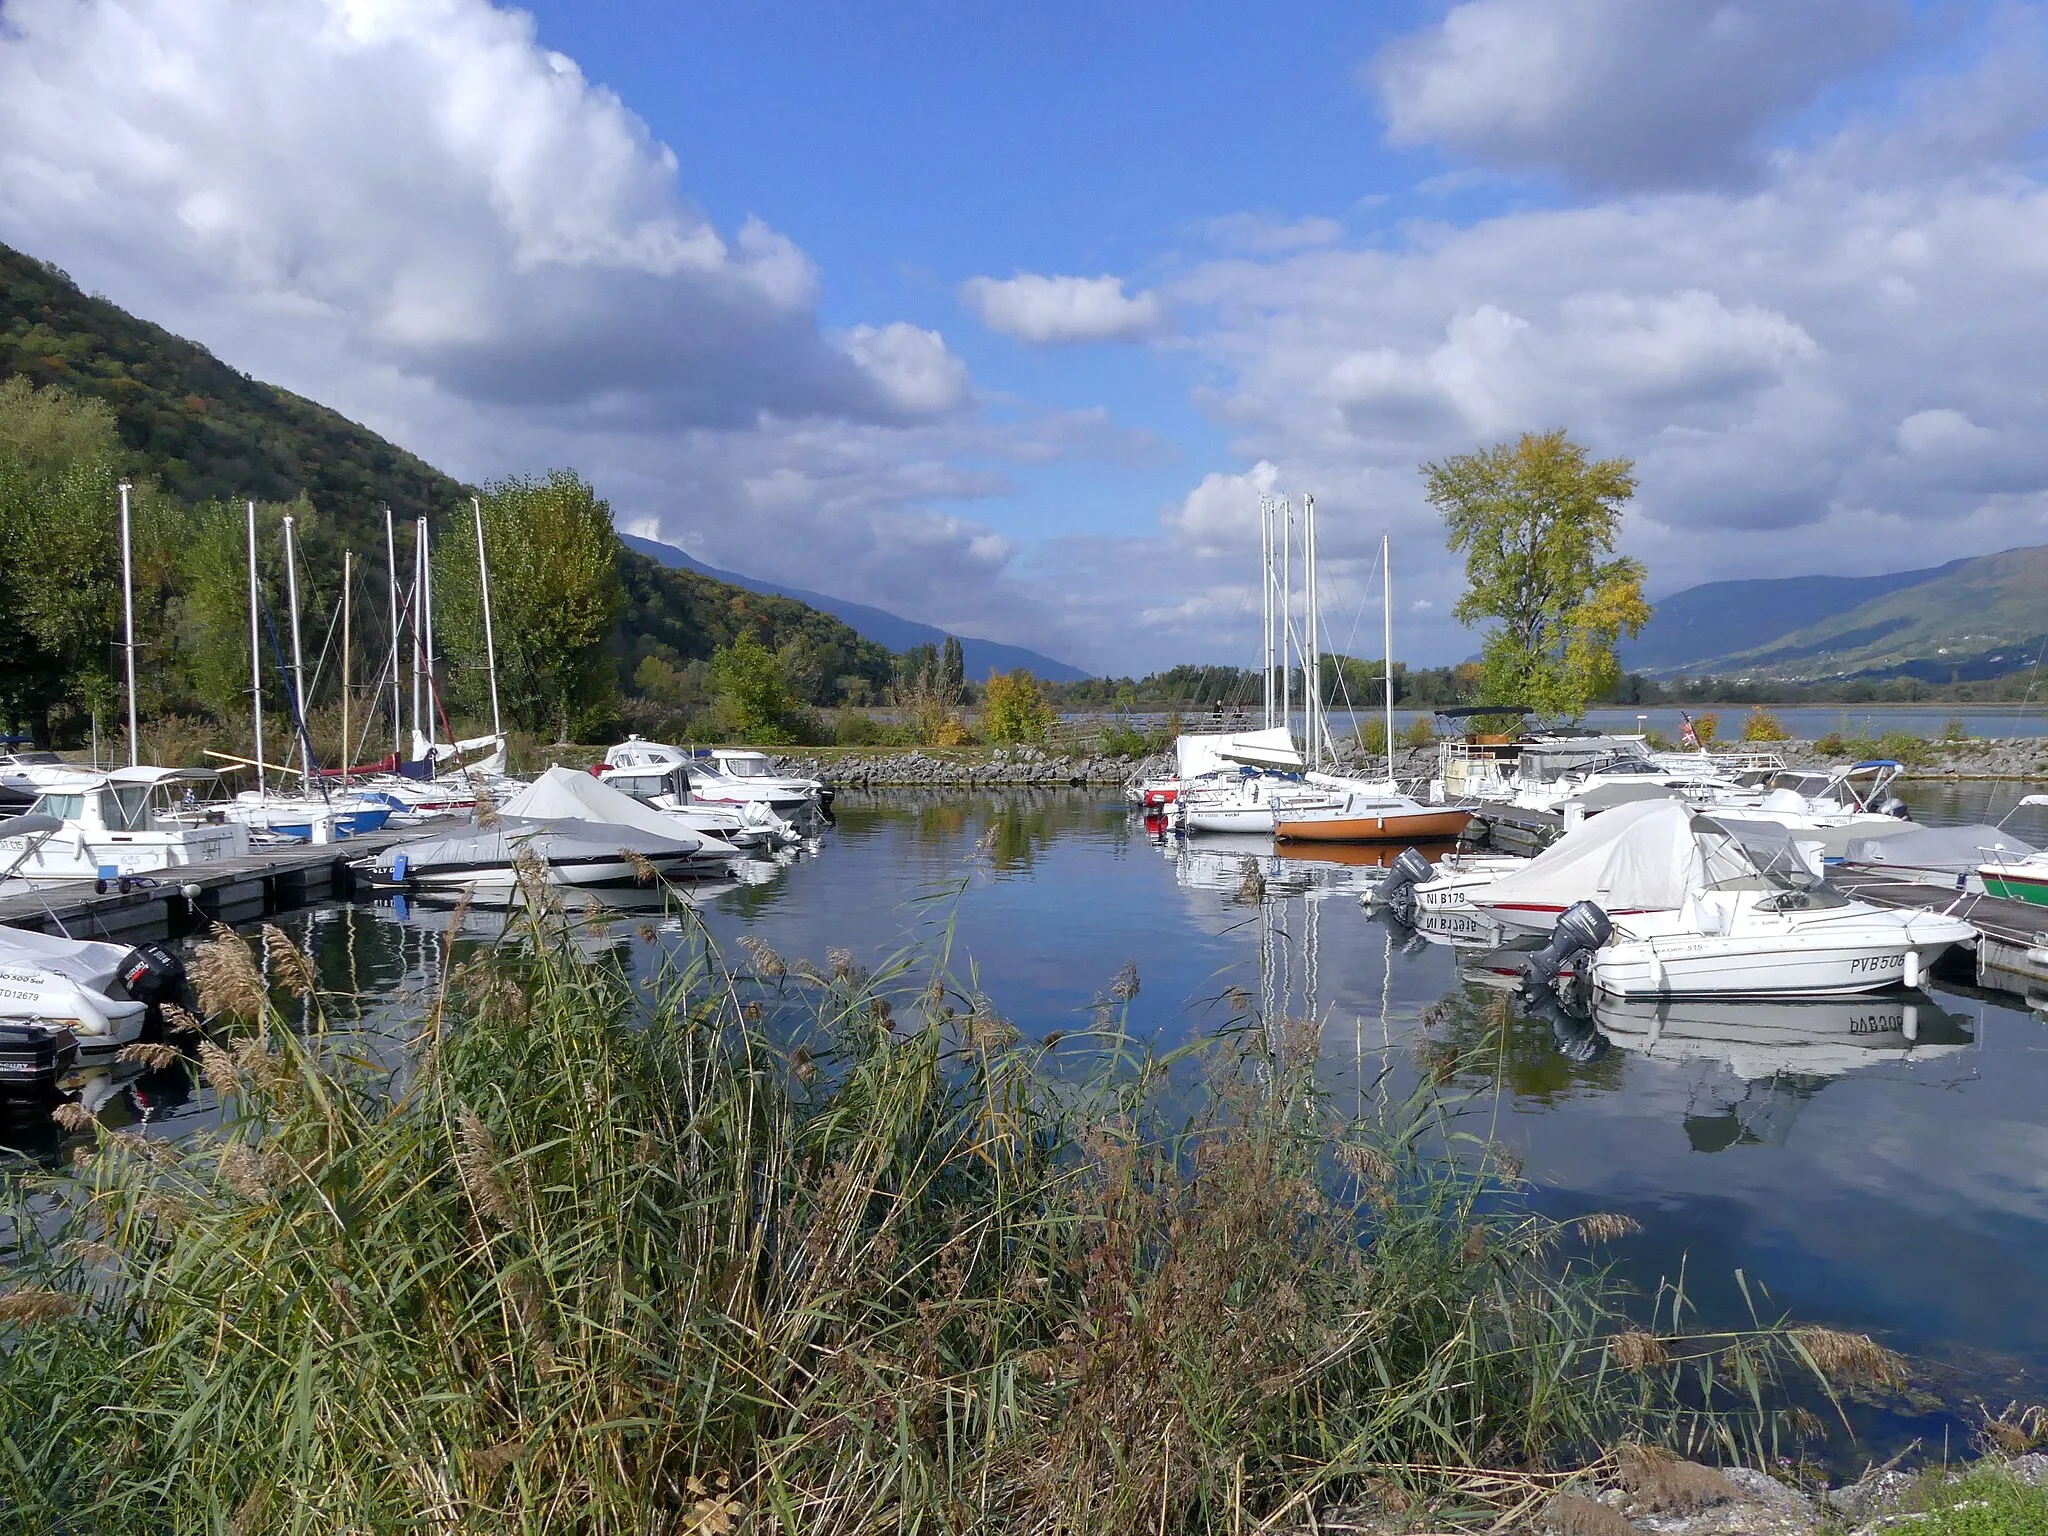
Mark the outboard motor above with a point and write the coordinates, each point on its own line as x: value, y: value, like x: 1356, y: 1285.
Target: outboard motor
x: 1582, y: 926
x: 1892, y: 805
x: 1576, y: 1038
x: 1396, y: 892
x: 155, y: 976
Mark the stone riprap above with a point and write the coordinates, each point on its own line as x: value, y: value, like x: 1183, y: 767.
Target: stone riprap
x: 969, y: 768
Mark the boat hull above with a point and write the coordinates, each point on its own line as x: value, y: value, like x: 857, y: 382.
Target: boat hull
x: 2015, y: 884
x: 1395, y: 827
x: 1790, y: 965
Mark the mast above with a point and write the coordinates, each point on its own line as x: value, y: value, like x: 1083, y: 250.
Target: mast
x: 483, y: 574
x: 419, y: 559
x: 427, y: 608
x: 391, y: 565
x: 256, y: 647
x: 128, y: 622
x: 346, y: 561
x: 291, y: 579
x: 1285, y: 512
x: 1266, y: 597
x: 1387, y: 611
x: 1312, y: 669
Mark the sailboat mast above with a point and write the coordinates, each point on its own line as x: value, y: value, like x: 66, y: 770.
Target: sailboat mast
x: 1312, y: 670
x: 419, y: 561
x: 291, y: 583
x: 391, y: 565
x: 483, y: 574
x: 427, y: 608
x: 1387, y: 612
x: 1286, y: 519
x: 128, y: 621
x: 256, y: 648
x: 347, y: 561
x: 1266, y: 602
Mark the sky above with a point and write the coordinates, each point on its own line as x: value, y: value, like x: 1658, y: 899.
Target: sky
x: 1005, y: 317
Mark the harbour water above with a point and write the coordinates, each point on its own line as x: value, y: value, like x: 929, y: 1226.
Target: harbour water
x: 1879, y: 1165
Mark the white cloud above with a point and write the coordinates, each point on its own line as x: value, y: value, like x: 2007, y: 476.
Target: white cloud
x: 1048, y: 311
x: 911, y: 365
x: 1222, y: 513
x: 1621, y: 93
x: 1927, y: 433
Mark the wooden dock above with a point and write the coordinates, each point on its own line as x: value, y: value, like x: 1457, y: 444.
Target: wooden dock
x: 2012, y: 936
x: 271, y: 879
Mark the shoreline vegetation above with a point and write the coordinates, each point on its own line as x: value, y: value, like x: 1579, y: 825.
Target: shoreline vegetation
x: 783, y: 1245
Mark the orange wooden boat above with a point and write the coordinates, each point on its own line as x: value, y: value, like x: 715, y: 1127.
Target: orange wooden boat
x: 1377, y: 823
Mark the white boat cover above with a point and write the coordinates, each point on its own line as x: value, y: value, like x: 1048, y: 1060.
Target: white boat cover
x: 563, y: 793
x: 555, y: 840
x: 1957, y: 850
x: 1197, y: 755
x: 1635, y: 858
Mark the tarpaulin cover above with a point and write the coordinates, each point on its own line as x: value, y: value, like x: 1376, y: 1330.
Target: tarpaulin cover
x: 1634, y: 858
x: 561, y: 792
x: 1953, y: 850
x: 1197, y: 755
x: 554, y: 840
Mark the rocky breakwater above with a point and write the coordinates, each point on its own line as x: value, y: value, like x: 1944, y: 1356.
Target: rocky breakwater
x: 943, y: 768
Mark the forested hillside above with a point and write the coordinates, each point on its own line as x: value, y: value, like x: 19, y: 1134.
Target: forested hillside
x: 90, y: 395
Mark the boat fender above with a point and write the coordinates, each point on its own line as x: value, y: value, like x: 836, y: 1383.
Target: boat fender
x: 1912, y: 976
x: 1397, y: 891
x: 400, y: 868
x: 1581, y: 926
x: 154, y: 977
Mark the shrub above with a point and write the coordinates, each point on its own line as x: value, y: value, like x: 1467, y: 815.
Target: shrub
x: 1119, y: 738
x: 688, y: 1248
x: 1955, y: 731
x: 1832, y: 745
x: 1372, y: 737
x: 1904, y: 746
x: 1762, y: 725
x: 1013, y: 710
x: 1421, y: 733
x: 1707, y: 727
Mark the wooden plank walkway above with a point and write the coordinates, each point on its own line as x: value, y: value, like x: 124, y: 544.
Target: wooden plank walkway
x: 2012, y: 942
x: 270, y: 879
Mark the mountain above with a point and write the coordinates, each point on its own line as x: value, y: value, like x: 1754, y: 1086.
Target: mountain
x: 1970, y: 619
x: 876, y: 624
x: 204, y: 431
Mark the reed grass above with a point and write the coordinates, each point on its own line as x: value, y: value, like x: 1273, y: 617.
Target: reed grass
x: 805, y: 1249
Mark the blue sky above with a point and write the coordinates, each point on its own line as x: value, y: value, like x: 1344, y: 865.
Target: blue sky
x: 1004, y: 318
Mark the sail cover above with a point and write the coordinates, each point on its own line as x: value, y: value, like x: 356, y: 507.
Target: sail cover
x: 560, y: 794
x: 1634, y: 858
x: 1197, y: 755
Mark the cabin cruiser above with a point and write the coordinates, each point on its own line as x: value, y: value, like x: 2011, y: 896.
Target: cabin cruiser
x: 1752, y: 917
x: 1543, y: 772
x: 22, y: 772
x: 582, y: 831
x: 1834, y: 809
x: 752, y: 825
x: 709, y: 784
x: 106, y: 995
x: 105, y: 825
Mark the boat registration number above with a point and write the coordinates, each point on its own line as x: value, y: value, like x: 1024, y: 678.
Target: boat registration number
x: 1867, y: 965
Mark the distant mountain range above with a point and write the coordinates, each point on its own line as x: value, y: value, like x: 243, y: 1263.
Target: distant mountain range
x: 1967, y: 620
x: 980, y: 657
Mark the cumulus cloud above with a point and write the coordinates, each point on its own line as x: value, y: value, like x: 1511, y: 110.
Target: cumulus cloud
x: 1618, y: 93
x: 1048, y: 311
x: 911, y: 365
x: 428, y: 183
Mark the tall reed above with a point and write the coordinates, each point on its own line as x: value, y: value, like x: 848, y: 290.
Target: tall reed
x: 797, y: 1249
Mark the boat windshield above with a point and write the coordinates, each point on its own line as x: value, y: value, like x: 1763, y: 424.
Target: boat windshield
x: 745, y: 766
x: 63, y: 807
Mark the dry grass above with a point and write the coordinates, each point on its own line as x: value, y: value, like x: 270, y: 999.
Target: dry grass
x: 2015, y: 1430
x: 1606, y: 1227
x: 1664, y: 1483
x: 1634, y: 1350
x: 1851, y: 1359
x: 1574, y: 1515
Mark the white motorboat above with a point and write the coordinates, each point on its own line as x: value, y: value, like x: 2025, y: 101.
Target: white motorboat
x: 1640, y: 857
x: 711, y: 786
x: 109, y: 828
x: 752, y: 825
x: 1850, y: 804
x: 22, y: 772
x: 741, y: 765
x: 107, y: 995
x: 1755, y: 919
x: 1951, y: 856
x: 309, y: 818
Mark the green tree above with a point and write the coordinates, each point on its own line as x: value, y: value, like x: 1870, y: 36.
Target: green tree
x: 555, y: 595
x: 953, y: 667
x: 1536, y: 522
x: 751, y: 690
x: 1012, y: 708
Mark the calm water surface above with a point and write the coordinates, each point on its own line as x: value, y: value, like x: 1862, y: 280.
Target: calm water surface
x: 1864, y: 1173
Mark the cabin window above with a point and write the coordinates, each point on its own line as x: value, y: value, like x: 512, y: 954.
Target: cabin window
x: 63, y: 807
x: 130, y: 809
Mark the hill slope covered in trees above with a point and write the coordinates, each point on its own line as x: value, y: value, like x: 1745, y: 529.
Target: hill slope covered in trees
x: 201, y: 438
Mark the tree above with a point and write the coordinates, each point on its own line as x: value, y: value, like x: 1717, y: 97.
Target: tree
x: 1012, y: 708
x: 953, y: 667
x: 555, y: 595
x: 1537, y: 524
x: 752, y: 693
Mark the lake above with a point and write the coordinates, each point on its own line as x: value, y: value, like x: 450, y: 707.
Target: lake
x: 1879, y: 1165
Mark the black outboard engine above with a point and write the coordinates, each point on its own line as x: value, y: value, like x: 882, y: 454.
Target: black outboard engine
x: 1581, y: 927
x: 155, y: 976
x: 1575, y: 1036
x: 1397, y: 891
x: 1892, y: 805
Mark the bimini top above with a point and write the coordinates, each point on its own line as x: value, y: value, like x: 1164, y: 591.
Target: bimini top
x: 1197, y: 755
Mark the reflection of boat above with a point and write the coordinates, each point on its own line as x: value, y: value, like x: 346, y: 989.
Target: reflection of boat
x: 1820, y: 1038
x: 1364, y: 855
